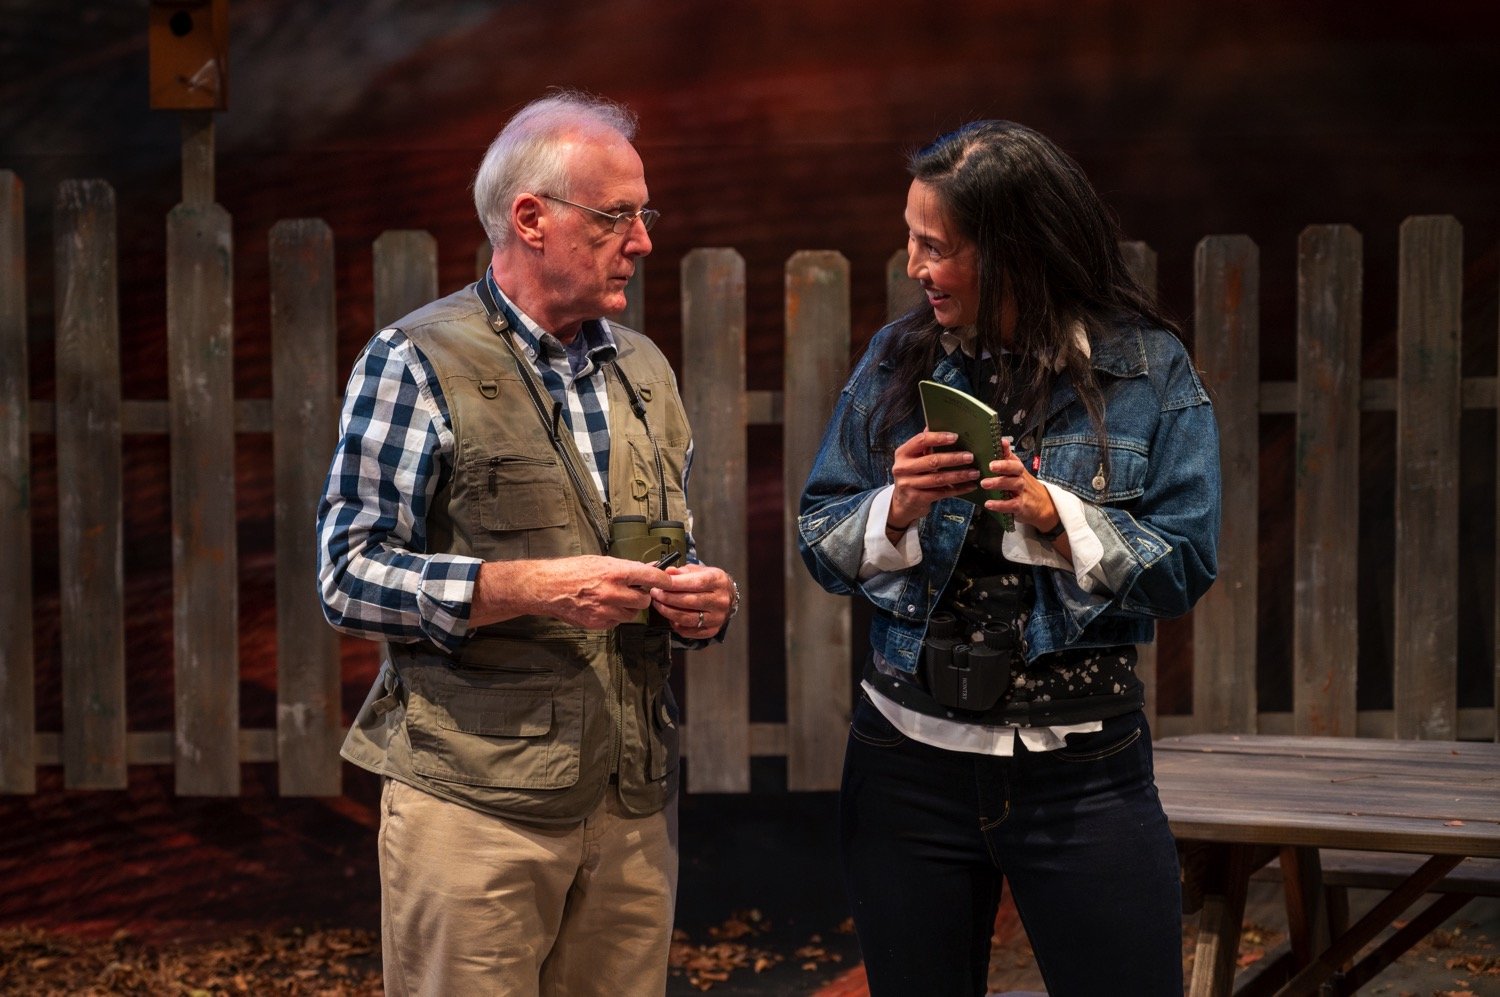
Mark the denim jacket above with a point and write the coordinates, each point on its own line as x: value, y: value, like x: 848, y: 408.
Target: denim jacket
x: 1156, y: 514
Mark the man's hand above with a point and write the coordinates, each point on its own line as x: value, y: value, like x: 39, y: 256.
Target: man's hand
x: 696, y: 600
x: 590, y: 591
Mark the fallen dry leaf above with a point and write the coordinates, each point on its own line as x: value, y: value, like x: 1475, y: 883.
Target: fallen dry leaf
x: 1476, y: 965
x: 738, y: 945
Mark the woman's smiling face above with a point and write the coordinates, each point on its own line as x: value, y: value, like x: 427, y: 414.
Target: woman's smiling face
x: 940, y: 258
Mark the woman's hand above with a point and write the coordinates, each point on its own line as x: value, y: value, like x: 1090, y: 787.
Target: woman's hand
x: 925, y: 475
x: 1029, y: 500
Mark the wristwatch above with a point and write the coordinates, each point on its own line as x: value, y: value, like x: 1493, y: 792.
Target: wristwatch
x: 1053, y: 533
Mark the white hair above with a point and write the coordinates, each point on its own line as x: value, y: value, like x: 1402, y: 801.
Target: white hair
x: 527, y: 154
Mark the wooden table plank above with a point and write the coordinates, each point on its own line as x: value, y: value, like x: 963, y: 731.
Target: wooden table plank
x: 1429, y: 796
x: 1330, y: 747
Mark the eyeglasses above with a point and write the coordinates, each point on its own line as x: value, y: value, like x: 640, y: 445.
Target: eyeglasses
x: 619, y: 224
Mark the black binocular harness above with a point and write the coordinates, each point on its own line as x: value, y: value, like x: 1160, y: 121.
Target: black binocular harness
x: 1010, y: 712
x: 973, y: 668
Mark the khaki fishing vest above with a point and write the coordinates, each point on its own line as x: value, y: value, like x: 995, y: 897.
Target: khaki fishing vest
x: 533, y: 716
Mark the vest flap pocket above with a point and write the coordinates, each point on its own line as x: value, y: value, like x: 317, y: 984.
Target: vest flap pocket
x: 519, y: 492
x: 514, y: 738
x: 644, y: 485
x: 508, y: 714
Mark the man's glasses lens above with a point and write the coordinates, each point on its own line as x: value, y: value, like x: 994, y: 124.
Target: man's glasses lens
x: 620, y: 223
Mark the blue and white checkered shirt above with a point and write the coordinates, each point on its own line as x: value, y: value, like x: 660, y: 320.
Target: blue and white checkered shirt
x: 395, y: 448
x: 569, y: 375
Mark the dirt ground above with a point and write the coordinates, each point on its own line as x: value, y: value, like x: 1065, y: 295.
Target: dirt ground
x: 745, y: 955
x: 346, y: 963
x: 336, y: 962
x: 213, y: 898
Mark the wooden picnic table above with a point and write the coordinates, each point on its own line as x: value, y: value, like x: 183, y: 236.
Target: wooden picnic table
x: 1237, y: 801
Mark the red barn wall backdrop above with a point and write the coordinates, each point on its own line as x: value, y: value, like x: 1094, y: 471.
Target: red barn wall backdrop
x: 765, y: 126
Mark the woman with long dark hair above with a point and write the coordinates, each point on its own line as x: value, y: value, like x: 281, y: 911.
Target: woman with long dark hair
x: 999, y: 734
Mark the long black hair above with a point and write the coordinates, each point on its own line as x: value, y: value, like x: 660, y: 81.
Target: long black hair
x: 1046, y: 240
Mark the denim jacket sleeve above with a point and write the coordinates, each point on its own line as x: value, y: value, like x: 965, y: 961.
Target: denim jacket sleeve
x: 836, y: 498
x: 1157, y: 513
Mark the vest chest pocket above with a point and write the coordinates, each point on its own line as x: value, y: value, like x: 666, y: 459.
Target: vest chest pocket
x: 514, y: 491
x: 644, y: 485
x: 519, y: 504
x: 515, y: 738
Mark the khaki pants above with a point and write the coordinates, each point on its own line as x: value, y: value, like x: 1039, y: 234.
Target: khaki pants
x: 475, y: 904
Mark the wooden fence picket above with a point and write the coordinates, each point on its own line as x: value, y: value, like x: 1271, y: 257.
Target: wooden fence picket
x: 17, y: 663
x: 405, y: 269
x: 713, y: 382
x: 1428, y: 400
x: 205, y: 622
x: 902, y: 294
x: 305, y: 418
x: 817, y: 628
x: 91, y: 566
x: 1140, y: 260
x: 1325, y: 637
x: 1227, y: 343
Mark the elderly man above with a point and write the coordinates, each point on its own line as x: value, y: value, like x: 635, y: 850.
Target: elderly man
x: 496, y: 446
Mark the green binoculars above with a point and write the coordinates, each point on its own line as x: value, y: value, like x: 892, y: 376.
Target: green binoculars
x: 635, y: 538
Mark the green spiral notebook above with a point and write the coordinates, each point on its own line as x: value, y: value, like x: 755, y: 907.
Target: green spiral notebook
x: 978, y: 427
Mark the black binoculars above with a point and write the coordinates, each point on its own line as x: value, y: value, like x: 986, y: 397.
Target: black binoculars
x: 661, y: 541
x: 967, y: 675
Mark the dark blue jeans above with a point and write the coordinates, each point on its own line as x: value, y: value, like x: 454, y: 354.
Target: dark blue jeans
x: 1079, y: 833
